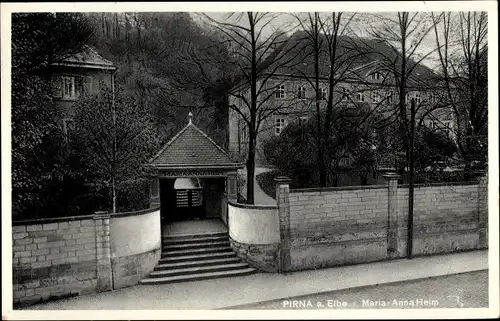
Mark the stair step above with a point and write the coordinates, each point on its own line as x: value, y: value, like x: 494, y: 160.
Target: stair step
x: 187, y: 264
x: 173, y: 247
x: 207, y: 239
x: 196, y: 251
x: 199, y: 269
x: 197, y: 276
x: 193, y: 236
x: 197, y: 257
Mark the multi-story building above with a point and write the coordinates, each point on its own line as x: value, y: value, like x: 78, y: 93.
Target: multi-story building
x: 84, y: 72
x: 365, y: 81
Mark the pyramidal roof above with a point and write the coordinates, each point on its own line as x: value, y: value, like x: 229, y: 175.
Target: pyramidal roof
x: 191, y: 147
x: 87, y: 57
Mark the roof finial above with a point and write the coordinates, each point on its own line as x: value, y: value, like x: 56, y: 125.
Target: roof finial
x: 190, y: 117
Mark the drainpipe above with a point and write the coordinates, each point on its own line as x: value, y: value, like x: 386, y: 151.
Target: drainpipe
x: 114, y: 137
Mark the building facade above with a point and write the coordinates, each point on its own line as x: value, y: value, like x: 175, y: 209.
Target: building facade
x: 365, y: 84
x: 86, y: 72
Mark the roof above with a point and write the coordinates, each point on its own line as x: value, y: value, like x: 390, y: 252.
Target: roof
x: 87, y: 58
x: 359, y: 55
x: 191, y: 147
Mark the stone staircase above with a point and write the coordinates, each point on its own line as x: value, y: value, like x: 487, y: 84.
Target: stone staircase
x: 196, y: 257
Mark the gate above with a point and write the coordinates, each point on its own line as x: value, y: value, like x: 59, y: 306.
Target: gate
x: 189, y: 204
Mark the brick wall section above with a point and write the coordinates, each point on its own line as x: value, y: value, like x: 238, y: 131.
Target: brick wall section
x: 336, y: 226
x: 483, y: 212
x: 445, y: 218
x: 72, y: 256
x: 53, y: 260
x: 337, y: 215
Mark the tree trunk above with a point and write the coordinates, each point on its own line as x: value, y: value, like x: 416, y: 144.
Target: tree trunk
x: 411, y: 181
x: 251, y: 171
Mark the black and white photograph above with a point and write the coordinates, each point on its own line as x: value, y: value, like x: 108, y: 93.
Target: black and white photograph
x: 282, y: 159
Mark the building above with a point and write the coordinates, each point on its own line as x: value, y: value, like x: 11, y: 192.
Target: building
x: 83, y: 72
x: 363, y: 81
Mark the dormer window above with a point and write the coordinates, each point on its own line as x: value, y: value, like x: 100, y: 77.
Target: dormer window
x: 376, y: 76
x: 322, y: 94
x: 375, y: 97
x: 418, y: 98
x: 360, y: 97
x: 345, y: 94
x: 301, y: 92
x: 390, y: 97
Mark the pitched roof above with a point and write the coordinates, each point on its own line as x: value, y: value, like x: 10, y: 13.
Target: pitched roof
x: 89, y: 58
x: 357, y: 54
x: 191, y: 147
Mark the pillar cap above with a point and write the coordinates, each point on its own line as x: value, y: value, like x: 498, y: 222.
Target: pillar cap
x: 283, y: 180
x: 391, y: 176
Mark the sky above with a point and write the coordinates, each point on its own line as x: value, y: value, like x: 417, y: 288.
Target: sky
x: 287, y: 21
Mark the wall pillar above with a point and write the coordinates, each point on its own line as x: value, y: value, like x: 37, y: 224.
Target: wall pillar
x: 154, y: 191
x: 392, y: 221
x: 231, y: 186
x: 103, y: 252
x: 483, y: 210
x: 283, y: 202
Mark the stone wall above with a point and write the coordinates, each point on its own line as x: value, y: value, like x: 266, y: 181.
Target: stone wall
x: 254, y: 234
x: 135, y: 246
x: 445, y: 218
x: 69, y: 256
x: 349, y: 225
x: 337, y: 226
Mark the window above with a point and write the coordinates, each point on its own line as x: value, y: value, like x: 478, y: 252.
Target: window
x: 68, y: 87
x: 68, y: 127
x: 345, y: 94
x: 360, y: 97
x: 57, y: 86
x: 375, y: 96
x: 407, y: 97
x: 322, y: 94
x: 244, y: 132
x: 301, y: 92
x: 376, y: 76
x: 280, y: 91
x: 279, y: 126
x: 418, y: 98
x: 390, y: 97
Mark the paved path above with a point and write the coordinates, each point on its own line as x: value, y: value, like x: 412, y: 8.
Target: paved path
x: 260, y: 197
x: 466, y: 290
x: 226, y: 292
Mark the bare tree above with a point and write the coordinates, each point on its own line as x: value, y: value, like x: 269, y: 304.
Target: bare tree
x: 461, y: 39
x: 259, y: 55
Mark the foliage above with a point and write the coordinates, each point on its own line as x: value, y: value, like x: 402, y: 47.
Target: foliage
x: 113, y: 151
x: 150, y: 49
x: 346, y: 140
x: 39, y: 165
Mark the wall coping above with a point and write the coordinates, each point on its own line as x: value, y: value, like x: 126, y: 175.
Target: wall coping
x: 439, y: 184
x: 82, y: 217
x: 253, y: 206
x: 342, y: 188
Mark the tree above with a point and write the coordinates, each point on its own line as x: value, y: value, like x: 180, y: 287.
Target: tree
x: 256, y: 62
x: 38, y: 39
x: 291, y: 151
x: 114, y: 136
x: 148, y: 48
x: 461, y: 39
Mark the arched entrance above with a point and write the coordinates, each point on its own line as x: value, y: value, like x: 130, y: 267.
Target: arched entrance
x: 192, y: 178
